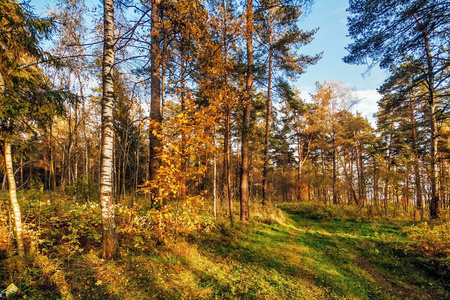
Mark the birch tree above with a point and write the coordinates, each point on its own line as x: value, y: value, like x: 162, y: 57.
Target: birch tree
x: 23, y: 87
x: 110, y: 240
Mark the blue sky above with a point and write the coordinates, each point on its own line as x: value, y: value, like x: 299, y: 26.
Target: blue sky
x: 331, y: 18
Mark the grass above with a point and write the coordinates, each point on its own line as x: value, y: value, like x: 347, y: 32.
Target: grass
x: 305, y: 252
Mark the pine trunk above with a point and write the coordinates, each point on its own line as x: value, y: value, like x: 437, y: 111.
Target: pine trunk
x: 300, y: 163
x: 434, y: 204
x: 335, y: 199
x: 227, y: 157
x: 268, y: 107
x: 155, y: 106
x: 246, y: 119
x: 184, y: 158
x: 52, y: 160
x: 299, y: 168
x: 417, y: 179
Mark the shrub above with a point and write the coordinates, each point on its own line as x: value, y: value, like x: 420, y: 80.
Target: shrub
x: 431, y: 240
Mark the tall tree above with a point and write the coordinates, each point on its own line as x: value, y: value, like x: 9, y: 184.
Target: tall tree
x: 68, y: 45
x: 337, y: 99
x: 217, y: 75
x: 390, y: 31
x: 23, y: 88
x: 281, y: 39
x: 405, y: 105
x: 155, y: 82
x: 247, y: 104
x: 296, y: 116
x: 110, y: 240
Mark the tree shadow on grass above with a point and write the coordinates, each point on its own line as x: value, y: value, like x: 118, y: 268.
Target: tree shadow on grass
x: 341, y: 261
x: 382, y: 252
x: 136, y: 276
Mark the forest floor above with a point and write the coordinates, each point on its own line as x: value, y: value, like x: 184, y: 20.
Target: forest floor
x: 300, y: 253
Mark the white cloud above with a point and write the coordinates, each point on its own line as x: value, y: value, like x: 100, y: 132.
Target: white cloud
x: 305, y: 92
x: 367, y: 105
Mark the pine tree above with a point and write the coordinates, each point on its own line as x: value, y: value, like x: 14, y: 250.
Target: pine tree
x: 281, y: 39
x: 388, y: 32
x: 247, y: 104
x: 23, y: 88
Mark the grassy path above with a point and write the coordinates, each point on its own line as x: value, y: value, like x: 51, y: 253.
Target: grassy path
x: 304, y: 255
x: 315, y: 259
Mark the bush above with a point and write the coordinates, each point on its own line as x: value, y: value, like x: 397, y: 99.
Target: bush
x: 268, y: 214
x: 322, y: 212
x: 85, y: 189
x: 431, y: 240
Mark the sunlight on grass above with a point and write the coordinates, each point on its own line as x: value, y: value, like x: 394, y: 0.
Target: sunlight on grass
x: 302, y: 255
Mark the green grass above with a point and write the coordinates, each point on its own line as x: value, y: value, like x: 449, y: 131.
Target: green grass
x: 308, y: 253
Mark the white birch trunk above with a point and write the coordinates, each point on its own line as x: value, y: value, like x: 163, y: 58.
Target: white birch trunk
x: 110, y: 241
x: 13, y: 198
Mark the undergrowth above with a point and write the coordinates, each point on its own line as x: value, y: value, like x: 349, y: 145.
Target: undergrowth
x: 302, y: 251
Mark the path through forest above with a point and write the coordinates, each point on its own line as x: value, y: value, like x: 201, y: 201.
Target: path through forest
x: 307, y: 254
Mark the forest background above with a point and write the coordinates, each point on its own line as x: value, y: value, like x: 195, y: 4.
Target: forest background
x: 169, y: 112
